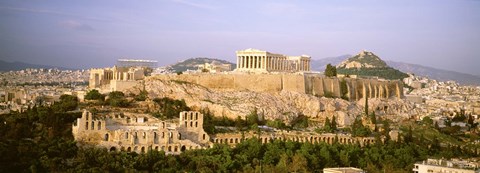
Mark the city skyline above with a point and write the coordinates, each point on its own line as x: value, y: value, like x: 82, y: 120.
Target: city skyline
x: 440, y: 34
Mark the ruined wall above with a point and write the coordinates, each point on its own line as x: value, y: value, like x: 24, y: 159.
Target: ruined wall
x: 314, y: 84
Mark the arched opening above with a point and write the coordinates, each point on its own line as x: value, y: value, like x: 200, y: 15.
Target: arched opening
x: 106, y: 137
x: 191, y: 124
x: 196, y: 116
x: 204, y: 136
x: 99, y: 126
x: 231, y: 140
x: 196, y: 124
x: 126, y: 135
x: 155, y: 138
x: 129, y: 149
x: 163, y: 148
x: 186, y: 124
x: 143, y: 150
x: 183, y: 148
x: 113, y: 149
x: 170, y: 148
x: 156, y: 148
x: 93, y: 125
x: 122, y: 149
x: 86, y: 126
x: 175, y: 149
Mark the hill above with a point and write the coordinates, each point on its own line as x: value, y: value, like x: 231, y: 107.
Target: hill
x: 368, y: 64
x: 15, y: 66
x: 192, y: 64
x: 419, y: 70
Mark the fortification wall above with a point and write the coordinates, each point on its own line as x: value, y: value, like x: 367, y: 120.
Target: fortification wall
x: 314, y: 84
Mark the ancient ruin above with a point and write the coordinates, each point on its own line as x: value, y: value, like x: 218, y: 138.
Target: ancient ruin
x: 253, y: 60
x: 141, y: 132
x: 115, y: 78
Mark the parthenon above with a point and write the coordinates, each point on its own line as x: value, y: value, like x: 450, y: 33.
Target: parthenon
x: 254, y: 60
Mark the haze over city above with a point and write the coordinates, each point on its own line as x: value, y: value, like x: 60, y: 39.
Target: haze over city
x: 83, y: 34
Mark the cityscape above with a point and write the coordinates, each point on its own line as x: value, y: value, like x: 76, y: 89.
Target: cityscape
x: 260, y: 107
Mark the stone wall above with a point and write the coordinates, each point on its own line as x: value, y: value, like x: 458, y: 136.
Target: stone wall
x: 314, y: 84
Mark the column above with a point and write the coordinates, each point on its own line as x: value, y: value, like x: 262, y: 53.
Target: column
x: 238, y: 61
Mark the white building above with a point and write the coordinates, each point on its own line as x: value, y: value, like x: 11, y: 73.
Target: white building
x: 441, y: 166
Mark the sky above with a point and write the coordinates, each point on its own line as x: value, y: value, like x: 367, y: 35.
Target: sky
x: 443, y: 34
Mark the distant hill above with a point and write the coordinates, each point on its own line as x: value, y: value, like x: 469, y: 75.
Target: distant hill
x: 321, y: 64
x: 437, y: 74
x: 368, y: 64
x: 15, y: 66
x: 419, y: 70
x: 192, y: 64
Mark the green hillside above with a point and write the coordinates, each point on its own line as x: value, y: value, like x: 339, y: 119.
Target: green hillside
x: 368, y: 64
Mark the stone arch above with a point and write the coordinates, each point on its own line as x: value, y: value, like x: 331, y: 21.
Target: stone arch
x: 143, y: 150
x: 156, y: 148
x: 175, y: 149
x: 204, y: 136
x: 113, y: 149
x: 86, y: 125
x: 191, y: 123
x: 169, y: 148
x: 135, y: 148
x: 93, y: 125
x: 236, y: 140
x: 183, y: 148
x: 106, y: 137
x: 163, y: 148
x: 196, y: 116
x: 155, y: 137
x: 196, y: 124
x: 129, y: 149
x: 99, y: 125
x: 231, y: 140
x: 126, y: 135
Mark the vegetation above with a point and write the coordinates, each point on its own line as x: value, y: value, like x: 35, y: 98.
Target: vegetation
x: 94, y: 95
x: 382, y: 72
x: 40, y: 140
x: 117, y: 99
x: 344, y: 89
x: 330, y: 71
x: 169, y: 108
x: 142, y: 96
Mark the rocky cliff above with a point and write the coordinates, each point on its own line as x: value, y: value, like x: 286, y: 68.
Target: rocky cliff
x: 284, y: 105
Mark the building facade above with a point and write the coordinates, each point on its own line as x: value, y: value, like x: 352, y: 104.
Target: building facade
x: 141, y: 132
x: 254, y: 60
x: 441, y: 166
x: 214, y: 67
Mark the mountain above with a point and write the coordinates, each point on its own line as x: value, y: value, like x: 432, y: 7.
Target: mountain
x: 192, y: 64
x: 437, y: 74
x: 15, y: 66
x: 320, y: 64
x: 368, y: 64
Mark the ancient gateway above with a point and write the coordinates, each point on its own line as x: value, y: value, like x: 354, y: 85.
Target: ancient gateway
x: 115, y: 78
x: 254, y: 60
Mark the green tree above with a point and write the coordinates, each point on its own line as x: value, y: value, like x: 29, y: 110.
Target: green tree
x: 334, y: 124
x: 66, y: 103
x: 94, y: 95
x: 330, y: 71
x: 344, y: 89
x: 117, y: 99
x: 327, y: 126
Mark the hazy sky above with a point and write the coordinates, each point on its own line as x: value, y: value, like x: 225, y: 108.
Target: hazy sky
x: 81, y: 34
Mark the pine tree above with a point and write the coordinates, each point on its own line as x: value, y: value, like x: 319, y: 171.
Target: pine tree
x: 333, y: 124
x: 327, y: 126
x: 330, y: 71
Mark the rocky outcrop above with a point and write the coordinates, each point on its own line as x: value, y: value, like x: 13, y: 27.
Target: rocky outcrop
x: 284, y: 105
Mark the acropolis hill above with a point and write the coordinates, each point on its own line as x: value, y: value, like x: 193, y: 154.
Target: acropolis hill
x: 278, y: 87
